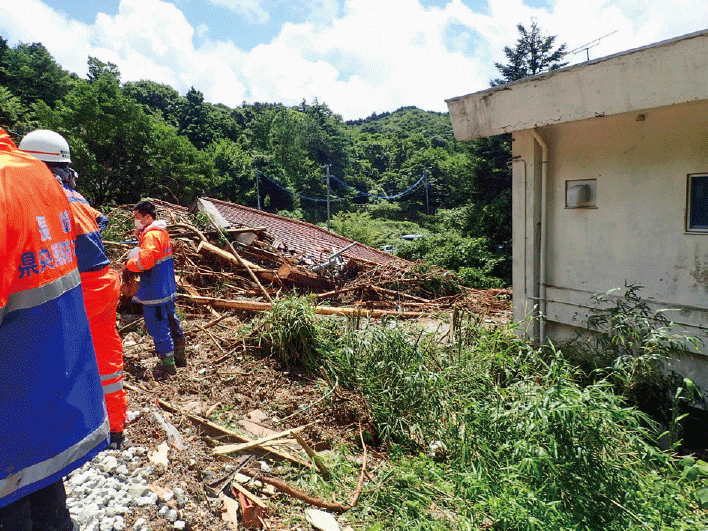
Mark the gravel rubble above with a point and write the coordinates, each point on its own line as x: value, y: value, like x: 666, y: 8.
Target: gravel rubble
x: 102, y: 493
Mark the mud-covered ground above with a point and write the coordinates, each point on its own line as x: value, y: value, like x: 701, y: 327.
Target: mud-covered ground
x: 240, y: 391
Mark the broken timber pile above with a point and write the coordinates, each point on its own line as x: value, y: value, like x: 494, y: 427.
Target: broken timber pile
x: 240, y: 268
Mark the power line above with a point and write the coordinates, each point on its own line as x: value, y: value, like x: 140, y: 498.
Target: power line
x: 388, y: 197
x: 296, y: 194
x: 411, y: 189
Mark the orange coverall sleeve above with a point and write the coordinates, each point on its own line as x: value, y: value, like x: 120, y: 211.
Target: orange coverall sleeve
x: 150, y: 252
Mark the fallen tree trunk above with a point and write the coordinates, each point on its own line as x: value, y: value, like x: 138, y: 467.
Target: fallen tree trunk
x: 256, y: 306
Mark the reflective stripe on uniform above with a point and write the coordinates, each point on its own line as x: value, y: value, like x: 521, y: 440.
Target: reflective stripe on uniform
x: 106, y: 377
x: 112, y: 388
x: 43, y: 469
x: 29, y: 298
x: 155, y: 301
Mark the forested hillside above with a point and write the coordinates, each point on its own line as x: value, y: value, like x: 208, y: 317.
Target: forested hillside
x: 389, y: 174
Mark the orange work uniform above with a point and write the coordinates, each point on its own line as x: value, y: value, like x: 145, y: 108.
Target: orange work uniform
x: 101, y: 287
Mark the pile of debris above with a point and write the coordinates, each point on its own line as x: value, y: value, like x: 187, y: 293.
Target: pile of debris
x: 221, y: 263
x: 227, y: 432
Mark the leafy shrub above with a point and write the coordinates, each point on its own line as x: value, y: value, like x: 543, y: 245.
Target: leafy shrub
x: 524, y: 445
x: 471, y: 258
x: 289, y: 332
x: 630, y: 346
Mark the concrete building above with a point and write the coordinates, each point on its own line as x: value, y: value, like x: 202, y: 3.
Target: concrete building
x: 610, y: 184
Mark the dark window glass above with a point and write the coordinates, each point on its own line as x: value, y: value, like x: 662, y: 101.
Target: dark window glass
x: 698, y: 186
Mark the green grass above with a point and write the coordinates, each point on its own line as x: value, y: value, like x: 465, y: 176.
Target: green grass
x: 522, y: 442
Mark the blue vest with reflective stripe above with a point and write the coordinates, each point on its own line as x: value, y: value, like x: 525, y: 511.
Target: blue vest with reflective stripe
x: 52, y: 414
x: 72, y: 424
x: 157, y: 285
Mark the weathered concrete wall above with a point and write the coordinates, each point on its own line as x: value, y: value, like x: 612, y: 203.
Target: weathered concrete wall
x: 637, y: 233
x: 663, y: 74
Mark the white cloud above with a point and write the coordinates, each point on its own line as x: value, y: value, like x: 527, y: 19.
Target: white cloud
x: 251, y: 10
x: 358, y: 56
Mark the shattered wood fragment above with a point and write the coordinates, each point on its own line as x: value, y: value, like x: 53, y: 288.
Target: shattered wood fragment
x: 255, y: 499
x: 213, y: 427
x: 233, y: 448
x: 302, y: 277
x: 255, y: 428
x: 212, y: 409
x: 230, y: 510
x: 215, y: 321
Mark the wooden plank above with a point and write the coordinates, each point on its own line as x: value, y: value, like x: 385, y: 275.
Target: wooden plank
x: 255, y: 499
x: 233, y: 448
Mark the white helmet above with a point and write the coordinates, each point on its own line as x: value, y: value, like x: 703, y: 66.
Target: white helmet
x: 46, y: 145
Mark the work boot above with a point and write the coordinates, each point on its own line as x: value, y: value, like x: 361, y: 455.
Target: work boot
x: 165, y: 368
x: 180, y: 352
x: 116, y: 440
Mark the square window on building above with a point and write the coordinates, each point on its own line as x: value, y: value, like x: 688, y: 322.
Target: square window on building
x: 698, y: 202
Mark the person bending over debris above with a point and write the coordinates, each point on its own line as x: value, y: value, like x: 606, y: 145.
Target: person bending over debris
x: 100, y: 283
x: 52, y: 413
x: 157, y: 290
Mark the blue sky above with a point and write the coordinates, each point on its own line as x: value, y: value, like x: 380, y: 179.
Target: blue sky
x: 357, y: 56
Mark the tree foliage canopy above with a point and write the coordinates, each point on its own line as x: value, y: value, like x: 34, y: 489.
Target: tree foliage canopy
x: 395, y: 169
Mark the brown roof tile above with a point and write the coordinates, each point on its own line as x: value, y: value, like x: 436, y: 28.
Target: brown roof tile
x: 298, y: 237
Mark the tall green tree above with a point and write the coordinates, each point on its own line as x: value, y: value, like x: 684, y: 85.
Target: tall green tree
x: 121, y: 153
x: 235, y: 169
x: 96, y: 68
x: 11, y: 109
x: 533, y: 54
x: 194, y: 119
x: 156, y: 98
x: 30, y: 73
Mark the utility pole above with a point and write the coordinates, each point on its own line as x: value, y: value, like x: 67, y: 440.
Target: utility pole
x: 425, y: 184
x: 327, y: 168
x: 258, y: 191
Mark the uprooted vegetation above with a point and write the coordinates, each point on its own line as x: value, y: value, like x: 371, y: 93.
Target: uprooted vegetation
x: 460, y: 425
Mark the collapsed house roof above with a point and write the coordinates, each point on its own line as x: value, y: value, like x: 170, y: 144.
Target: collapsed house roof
x: 297, y: 237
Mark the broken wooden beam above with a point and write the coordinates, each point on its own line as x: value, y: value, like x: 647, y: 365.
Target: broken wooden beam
x: 233, y: 448
x: 302, y: 277
x: 226, y: 255
x: 257, y: 306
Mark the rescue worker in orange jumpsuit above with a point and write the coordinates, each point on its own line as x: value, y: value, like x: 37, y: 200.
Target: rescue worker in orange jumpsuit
x: 101, y: 284
x: 52, y: 413
x: 158, y: 289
